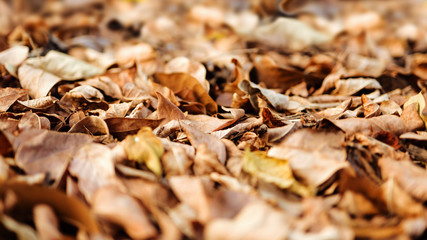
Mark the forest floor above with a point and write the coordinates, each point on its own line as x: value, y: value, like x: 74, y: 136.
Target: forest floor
x: 205, y: 119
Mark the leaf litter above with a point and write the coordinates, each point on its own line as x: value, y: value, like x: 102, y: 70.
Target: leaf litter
x: 213, y: 119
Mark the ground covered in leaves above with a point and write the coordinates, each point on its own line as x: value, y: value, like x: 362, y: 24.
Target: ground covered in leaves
x: 205, y: 119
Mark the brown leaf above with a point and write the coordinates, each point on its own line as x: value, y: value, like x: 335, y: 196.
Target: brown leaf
x: 120, y: 127
x: 167, y: 110
x: 42, y: 151
x: 314, y: 156
x: 185, y: 86
x: 93, y: 166
x: 68, y: 209
x: 120, y: 208
x: 190, y: 190
x: 206, y: 161
x: 46, y: 223
x: 9, y: 96
x: 91, y: 125
x: 370, y: 109
x: 407, y: 175
x: 257, y: 221
x: 371, y: 126
x: 214, y: 144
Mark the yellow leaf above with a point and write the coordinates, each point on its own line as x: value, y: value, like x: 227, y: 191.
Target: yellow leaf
x: 145, y: 147
x: 273, y: 170
x: 421, y: 104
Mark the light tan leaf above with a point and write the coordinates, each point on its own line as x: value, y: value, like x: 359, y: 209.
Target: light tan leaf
x: 46, y: 222
x: 36, y: 80
x: 14, y: 55
x: 122, y: 209
x: 214, y: 144
x: 289, y: 33
x: 42, y: 151
x: 313, y: 156
x: 190, y: 190
x: 64, y: 66
x: 256, y: 221
x: 94, y: 168
x: 206, y: 162
x: 351, y: 86
x: 409, y: 176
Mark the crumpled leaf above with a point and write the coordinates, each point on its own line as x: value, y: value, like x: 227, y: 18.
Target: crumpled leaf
x: 420, y: 102
x: 279, y: 101
x: 145, y: 147
x: 272, y: 170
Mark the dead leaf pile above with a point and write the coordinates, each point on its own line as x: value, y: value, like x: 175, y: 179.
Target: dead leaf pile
x: 208, y: 119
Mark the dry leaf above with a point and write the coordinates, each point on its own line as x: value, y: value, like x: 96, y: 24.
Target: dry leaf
x: 187, y: 87
x: 42, y: 151
x: 120, y: 208
x: 214, y: 144
x: 289, y: 33
x: 256, y: 221
x: 9, y: 96
x: 93, y: 166
x: 272, y: 170
x: 145, y: 147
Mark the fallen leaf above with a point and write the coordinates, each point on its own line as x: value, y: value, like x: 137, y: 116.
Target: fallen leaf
x: 214, y: 144
x: 46, y: 222
x: 187, y: 87
x: 121, y: 127
x: 407, y: 175
x: 167, y: 110
x: 313, y: 156
x: 371, y: 126
x: 289, y: 33
x: 93, y: 166
x: 14, y: 55
x: 8, y: 96
x: 145, y: 147
x: 420, y: 102
x: 348, y: 87
x: 120, y: 208
x: 42, y: 151
x: 272, y: 170
x: 63, y: 66
x: 257, y: 221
